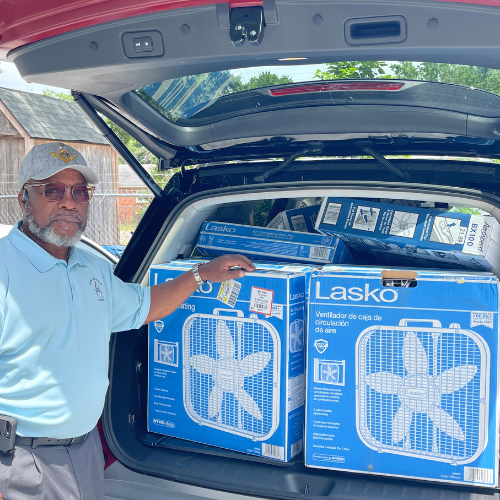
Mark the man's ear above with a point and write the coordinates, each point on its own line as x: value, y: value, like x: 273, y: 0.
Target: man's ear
x: 22, y: 197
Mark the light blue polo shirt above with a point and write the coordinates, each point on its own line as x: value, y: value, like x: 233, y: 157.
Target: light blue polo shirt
x: 55, y: 324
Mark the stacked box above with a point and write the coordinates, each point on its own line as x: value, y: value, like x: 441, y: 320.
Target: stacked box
x: 298, y: 219
x: 227, y: 367
x: 217, y: 238
x: 401, y: 236
x: 403, y: 382
x: 307, y: 269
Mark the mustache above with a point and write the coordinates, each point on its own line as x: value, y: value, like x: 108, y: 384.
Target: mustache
x: 64, y: 214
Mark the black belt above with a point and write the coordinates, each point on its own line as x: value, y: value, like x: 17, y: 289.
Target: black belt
x: 41, y: 441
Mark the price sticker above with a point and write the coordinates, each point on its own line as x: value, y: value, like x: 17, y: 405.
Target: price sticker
x: 261, y: 301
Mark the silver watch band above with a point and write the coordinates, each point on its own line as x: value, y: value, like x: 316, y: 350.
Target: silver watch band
x: 196, y: 274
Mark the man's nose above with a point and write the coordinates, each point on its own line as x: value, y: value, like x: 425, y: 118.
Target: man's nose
x: 67, y: 200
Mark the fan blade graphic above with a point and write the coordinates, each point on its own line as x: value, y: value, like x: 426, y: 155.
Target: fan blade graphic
x: 247, y: 403
x: 384, y: 382
x: 224, y: 340
x: 446, y: 423
x: 414, y: 355
x: 254, y: 363
x: 401, y: 424
x: 203, y: 363
x: 455, y: 378
x: 215, y: 401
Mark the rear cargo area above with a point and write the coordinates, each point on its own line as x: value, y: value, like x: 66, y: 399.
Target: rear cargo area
x: 198, y: 464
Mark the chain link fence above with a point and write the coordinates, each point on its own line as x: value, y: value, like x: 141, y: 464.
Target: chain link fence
x: 113, y: 216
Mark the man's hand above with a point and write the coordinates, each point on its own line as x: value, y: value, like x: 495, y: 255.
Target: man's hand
x: 219, y: 269
x: 167, y: 297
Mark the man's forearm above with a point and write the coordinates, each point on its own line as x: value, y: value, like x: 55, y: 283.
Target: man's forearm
x: 167, y: 297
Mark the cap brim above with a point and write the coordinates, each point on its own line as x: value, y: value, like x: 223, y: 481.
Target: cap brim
x: 90, y: 175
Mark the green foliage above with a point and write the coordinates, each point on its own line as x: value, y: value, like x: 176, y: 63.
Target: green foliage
x: 265, y: 79
x: 469, y: 76
x: 468, y: 210
x: 62, y: 96
x: 352, y: 69
x: 261, y: 212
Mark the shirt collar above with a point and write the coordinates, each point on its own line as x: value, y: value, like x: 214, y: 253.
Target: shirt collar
x: 40, y: 258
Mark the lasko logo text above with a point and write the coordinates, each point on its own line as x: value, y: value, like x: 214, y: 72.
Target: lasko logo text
x: 357, y: 294
x: 221, y: 229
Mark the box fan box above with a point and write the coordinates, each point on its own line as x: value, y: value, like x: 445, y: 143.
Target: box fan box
x: 412, y: 236
x: 227, y: 367
x: 217, y: 238
x: 298, y: 219
x: 402, y: 381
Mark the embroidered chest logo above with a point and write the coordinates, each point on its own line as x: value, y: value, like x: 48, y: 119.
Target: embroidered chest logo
x: 94, y: 282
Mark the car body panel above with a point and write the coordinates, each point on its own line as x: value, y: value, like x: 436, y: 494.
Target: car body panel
x: 30, y: 21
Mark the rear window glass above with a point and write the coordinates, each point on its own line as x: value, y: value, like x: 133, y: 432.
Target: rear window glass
x: 193, y: 96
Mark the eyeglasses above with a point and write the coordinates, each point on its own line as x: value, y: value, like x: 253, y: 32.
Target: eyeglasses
x: 55, y: 191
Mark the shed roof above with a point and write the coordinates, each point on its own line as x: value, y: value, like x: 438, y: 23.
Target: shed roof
x: 44, y: 117
x: 127, y: 178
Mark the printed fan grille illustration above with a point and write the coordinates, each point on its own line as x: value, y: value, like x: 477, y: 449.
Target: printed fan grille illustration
x: 423, y: 391
x: 231, y: 373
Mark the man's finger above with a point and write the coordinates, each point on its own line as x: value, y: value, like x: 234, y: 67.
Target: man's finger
x: 239, y: 260
x: 233, y: 275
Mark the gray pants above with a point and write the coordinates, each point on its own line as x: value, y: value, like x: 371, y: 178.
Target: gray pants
x: 54, y: 472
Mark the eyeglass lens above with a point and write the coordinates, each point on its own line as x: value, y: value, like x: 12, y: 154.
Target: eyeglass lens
x: 55, y: 191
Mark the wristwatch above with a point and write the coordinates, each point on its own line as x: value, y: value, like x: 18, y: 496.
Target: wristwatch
x: 196, y: 274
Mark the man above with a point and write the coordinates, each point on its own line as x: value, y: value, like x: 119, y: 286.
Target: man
x: 58, y: 307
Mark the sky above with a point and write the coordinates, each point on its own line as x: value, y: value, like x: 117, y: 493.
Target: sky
x: 10, y: 78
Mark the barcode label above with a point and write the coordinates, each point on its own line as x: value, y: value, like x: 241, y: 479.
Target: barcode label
x: 332, y: 213
x: 261, y: 301
x: 477, y: 475
x: 270, y: 450
x: 296, y: 448
x: 321, y: 253
x: 228, y: 292
x: 299, y: 223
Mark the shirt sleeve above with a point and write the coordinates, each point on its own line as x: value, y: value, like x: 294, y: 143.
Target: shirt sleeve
x: 130, y: 305
x: 3, y: 305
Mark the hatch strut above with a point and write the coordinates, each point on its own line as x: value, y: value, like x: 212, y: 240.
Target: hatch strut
x: 121, y: 148
x: 367, y: 148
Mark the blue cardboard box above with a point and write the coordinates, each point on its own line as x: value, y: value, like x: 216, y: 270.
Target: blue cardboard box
x: 217, y: 238
x: 412, y: 236
x: 403, y: 381
x: 298, y: 219
x: 227, y: 367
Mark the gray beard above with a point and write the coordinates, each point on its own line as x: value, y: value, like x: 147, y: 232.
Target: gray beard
x: 48, y: 234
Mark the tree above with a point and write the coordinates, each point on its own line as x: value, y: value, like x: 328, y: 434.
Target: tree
x: 353, y: 69
x: 265, y: 79
x: 469, y: 76
x: 62, y: 96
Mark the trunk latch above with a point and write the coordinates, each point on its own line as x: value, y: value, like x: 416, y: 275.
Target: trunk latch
x: 246, y: 22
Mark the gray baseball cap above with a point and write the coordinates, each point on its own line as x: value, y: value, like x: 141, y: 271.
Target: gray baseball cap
x: 45, y: 160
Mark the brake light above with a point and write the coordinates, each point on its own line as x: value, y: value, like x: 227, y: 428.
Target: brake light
x: 331, y: 87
